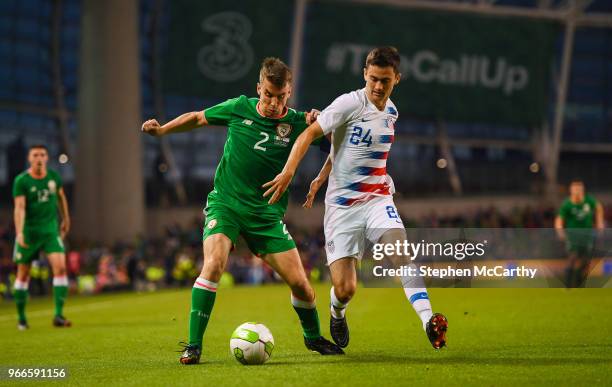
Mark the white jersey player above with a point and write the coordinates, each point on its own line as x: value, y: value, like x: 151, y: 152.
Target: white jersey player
x: 359, y: 203
x: 359, y: 192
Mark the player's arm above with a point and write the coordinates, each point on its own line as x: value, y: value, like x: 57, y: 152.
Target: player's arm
x: 318, y: 181
x: 279, y: 185
x: 64, y: 212
x: 336, y: 114
x: 19, y: 216
x: 599, y: 216
x: 183, y: 123
x: 560, y: 227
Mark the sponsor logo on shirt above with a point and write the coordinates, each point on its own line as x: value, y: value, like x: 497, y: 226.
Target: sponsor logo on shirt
x: 212, y: 224
x: 281, y: 141
x: 247, y: 122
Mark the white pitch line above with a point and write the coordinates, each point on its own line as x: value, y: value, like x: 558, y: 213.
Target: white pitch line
x: 71, y: 310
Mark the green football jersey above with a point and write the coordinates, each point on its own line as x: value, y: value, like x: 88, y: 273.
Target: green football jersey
x: 255, y: 151
x: 41, y: 201
x: 579, y: 215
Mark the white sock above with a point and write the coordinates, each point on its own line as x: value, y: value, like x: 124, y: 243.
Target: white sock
x: 205, y: 284
x: 337, y: 307
x: 420, y: 302
x: 60, y: 280
x: 296, y: 302
x: 21, y: 285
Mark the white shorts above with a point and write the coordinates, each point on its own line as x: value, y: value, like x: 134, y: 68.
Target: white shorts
x: 347, y: 228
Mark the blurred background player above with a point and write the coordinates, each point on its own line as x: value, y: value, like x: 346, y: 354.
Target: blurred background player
x: 578, y: 215
x: 38, y: 194
x: 359, y: 203
x: 260, y: 134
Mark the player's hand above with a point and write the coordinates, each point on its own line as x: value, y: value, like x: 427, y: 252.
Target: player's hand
x: 152, y: 127
x: 311, y: 116
x: 315, y: 185
x: 21, y: 241
x: 64, y: 228
x: 561, y: 235
x: 278, y: 186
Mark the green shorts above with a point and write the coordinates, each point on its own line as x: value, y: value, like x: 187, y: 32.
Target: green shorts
x: 582, y: 249
x: 48, y: 243
x: 580, y: 242
x: 263, y: 236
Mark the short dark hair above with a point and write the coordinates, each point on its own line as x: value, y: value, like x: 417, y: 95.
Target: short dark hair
x: 275, y: 71
x: 38, y: 146
x: 384, y: 57
x: 576, y: 181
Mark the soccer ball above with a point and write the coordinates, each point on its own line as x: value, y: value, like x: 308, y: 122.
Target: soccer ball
x: 252, y: 343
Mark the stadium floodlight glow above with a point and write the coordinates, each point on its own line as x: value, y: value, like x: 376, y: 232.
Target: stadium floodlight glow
x: 441, y: 163
x: 63, y: 158
x: 534, y: 167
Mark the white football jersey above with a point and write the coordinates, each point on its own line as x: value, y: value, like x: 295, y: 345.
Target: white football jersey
x: 361, y: 140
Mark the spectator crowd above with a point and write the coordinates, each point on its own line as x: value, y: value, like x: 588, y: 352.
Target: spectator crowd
x: 174, y: 258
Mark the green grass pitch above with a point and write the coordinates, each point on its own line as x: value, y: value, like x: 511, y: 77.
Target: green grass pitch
x: 496, y: 337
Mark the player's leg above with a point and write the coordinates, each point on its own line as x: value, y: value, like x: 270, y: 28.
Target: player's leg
x: 414, y: 287
x: 571, y: 246
x: 53, y: 246
x: 270, y: 240
x: 385, y: 226
x: 220, y: 234
x: 21, y: 294
x: 584, y: 257
x: 203, y: 293
x: 570, y: 270
x: 60, y: 287
x: 289, y: 266
x: 216, y: 251
x: 344, y: 285
x: 344, y: 244
x: 22, y: 256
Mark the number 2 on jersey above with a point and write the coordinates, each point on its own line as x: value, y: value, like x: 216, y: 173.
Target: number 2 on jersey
x: 265, y: 138
x: 357, y: 136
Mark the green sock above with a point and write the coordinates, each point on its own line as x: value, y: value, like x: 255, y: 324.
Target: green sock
x: 60, y: 291
x: 59, y: 296
x: 21, y: 299
x: 309, y: 317
x: 203, y: 296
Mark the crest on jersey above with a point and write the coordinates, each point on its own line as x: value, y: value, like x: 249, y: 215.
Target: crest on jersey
x: 586, y: 207
x: 283, y: 130
x: 390, y: 123
x: 52, y: 186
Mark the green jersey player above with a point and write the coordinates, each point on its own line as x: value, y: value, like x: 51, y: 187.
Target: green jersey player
x: 577, y: 217
x: 38, y: 194
x: 261, y: 132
